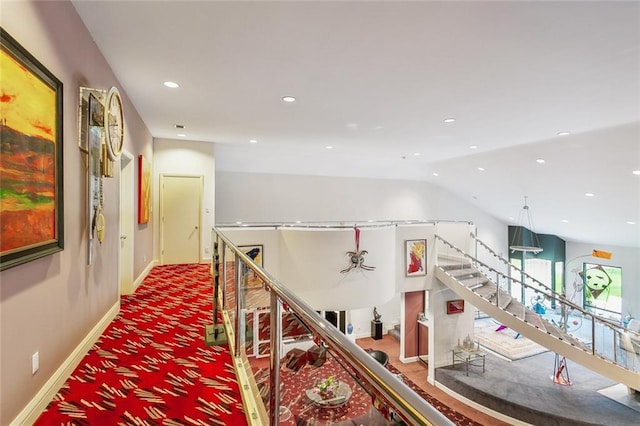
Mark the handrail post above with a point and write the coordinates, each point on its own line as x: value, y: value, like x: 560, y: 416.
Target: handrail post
x: 593, y: 335
x: 274, y: 358
x: 240, y: 330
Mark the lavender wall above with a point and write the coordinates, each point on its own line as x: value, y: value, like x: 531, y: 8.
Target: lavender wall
x: 51, y: 304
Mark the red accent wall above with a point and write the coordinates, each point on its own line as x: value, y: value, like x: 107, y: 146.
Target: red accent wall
x: 413, y: 305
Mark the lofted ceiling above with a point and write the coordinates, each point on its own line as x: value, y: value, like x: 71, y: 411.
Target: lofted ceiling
x: 376, y: 80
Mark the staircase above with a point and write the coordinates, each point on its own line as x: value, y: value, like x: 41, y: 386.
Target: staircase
x: 485, y: 288
x: 395, y: 332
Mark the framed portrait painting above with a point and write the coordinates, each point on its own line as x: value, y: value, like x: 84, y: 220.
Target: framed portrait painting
x: 415, y: 257
x: 31, y: 212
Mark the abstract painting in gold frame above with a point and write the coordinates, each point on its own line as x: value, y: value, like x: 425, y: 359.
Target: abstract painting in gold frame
x: 144, y: 189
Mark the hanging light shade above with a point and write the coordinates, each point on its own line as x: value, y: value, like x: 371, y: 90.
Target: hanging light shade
x: 525, y: 229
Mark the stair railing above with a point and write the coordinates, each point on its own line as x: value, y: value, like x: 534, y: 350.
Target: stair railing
x: 617, y: 330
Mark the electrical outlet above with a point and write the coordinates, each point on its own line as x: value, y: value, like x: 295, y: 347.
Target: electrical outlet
x: 144, y: 258
x: 35, y: 362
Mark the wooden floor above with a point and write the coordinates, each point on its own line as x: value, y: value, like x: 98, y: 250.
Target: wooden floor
x: 417, y: 373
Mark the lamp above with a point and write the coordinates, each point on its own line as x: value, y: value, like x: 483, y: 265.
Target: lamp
x: 518, y: 242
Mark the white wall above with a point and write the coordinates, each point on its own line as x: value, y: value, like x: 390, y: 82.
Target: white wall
x: 311, y: 261
x: 256, y: 197
x: 186, y: 158
x: 259, y: 197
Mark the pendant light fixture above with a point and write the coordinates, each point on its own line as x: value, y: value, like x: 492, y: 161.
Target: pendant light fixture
x: 524, y: 229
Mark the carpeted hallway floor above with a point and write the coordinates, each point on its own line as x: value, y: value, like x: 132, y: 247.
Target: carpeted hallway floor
x: 151, y: 365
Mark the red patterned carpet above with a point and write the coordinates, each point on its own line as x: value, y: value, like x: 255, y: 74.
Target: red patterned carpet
x: 151, y: 366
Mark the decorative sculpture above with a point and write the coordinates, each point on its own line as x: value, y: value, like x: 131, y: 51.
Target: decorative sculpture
x: 376, y: 315
x: 357, y: 257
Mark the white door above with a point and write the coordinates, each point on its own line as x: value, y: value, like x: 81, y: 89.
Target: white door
x: 180, y: 204
x: 125, y: 265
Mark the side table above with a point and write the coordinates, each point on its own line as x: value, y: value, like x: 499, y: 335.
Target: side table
x: 469, y: 357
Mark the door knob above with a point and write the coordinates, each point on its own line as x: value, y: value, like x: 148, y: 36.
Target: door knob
x: 123, y: 237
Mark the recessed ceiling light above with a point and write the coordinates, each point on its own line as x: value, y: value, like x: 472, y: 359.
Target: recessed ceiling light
x: 288, y: 99
x: 565, y: 221
x: 563, y: 133
x: 473, y: 147
x: 449, y: 120
x: 630, y: 222
x: 416, y: 154
x: 182, y: 135
x: 511, y: 218
x: 238, y: 223
x: 378, y: 128
x: 171, y: 84
x: 589, y: 194
x: 636, y: 172
x: 435, y: 174
x: 540, y: 161
x: 253, y: 141
x: 481, y: 169
x: 328, y: 147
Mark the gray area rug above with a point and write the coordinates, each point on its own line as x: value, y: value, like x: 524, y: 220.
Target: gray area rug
x: 523, y: 389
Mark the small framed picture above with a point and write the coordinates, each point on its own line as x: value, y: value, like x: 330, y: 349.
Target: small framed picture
x: 415, y: 257
x: 455, y: 306
x: 255, y: 252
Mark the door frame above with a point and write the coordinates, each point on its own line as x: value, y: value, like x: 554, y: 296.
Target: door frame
x: 161, y: 209
x: 127, y: 182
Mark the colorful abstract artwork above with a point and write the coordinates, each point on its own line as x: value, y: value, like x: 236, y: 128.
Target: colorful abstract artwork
x: 30, y: 157
x: 602, y: 289
x: 416, y: 257
x: 144, y: 189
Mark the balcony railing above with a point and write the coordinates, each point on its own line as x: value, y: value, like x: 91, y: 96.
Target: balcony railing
x: 285, y: 354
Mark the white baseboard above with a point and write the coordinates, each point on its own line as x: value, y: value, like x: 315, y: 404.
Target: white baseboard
x: 481, y: 408
x: 143, y: 275
x: 40, y: 401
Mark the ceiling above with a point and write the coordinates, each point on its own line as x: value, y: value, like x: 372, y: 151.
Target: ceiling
x: 376, y: 80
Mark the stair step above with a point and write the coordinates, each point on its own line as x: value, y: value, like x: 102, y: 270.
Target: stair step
x: 504, y: 300
x: 457, y: 269
x: 451, y: 260
x: 486, y: 290
x: 517, y: 309
x: 563, y: 335
x: 395, y: 333
x: 552, y: 329
x: 535, y: 320
x: 474, y: 281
